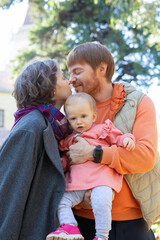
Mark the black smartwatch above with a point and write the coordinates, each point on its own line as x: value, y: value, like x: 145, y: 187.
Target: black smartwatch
x: 97, y: 154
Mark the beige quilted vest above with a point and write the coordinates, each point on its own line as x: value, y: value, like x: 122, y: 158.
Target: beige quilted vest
x: 144, y: 186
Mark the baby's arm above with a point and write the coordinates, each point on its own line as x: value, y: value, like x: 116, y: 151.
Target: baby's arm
x: 115, y: 137
x: 129, y: 143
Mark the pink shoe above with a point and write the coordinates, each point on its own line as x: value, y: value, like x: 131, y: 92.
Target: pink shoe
x: 65, y: 231
x: 97, y: 239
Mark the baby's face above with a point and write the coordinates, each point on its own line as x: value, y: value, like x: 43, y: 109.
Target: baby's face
x: 80, y: 116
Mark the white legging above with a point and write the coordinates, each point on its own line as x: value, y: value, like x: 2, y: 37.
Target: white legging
x: 101, y: 201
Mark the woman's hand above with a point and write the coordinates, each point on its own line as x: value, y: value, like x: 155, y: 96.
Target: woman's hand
x: 80, y: 152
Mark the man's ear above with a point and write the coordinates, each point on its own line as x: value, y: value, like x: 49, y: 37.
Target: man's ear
x: 94, y: 116
x: 102, y: 68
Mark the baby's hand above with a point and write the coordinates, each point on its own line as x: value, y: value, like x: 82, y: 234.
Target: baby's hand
x: 129, y: 144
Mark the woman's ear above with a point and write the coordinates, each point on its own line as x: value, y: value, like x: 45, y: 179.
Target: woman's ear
x: 53, y: 93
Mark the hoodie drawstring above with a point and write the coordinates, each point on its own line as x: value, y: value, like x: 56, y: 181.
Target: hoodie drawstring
x: 130, y: 101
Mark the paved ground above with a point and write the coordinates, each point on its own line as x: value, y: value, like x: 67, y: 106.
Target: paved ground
x: 3, y: 135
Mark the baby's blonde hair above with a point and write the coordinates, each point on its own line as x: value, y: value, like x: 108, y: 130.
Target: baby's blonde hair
x: 77, y: 97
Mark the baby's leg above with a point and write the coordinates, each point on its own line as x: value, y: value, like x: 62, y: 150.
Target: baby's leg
x: 68, y: 201
x: 101, y: 200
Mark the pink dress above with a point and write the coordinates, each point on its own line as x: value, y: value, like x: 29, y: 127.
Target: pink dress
x: 89, y: 174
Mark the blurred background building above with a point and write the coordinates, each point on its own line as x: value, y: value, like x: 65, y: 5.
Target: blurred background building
x: 18, y: 41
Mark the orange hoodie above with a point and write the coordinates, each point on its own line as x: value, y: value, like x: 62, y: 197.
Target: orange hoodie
x: 142, y: 159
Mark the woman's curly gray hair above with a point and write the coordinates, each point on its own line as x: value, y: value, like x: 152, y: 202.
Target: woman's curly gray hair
x: 36, y: 83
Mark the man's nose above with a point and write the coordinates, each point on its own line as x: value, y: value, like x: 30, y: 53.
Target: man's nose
x: 72, y: 79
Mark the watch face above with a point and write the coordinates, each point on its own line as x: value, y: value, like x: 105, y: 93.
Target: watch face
x: 97, y: 154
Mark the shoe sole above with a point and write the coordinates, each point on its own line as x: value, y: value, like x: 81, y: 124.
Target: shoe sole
x: 64, y: 238
x: 51, y: 237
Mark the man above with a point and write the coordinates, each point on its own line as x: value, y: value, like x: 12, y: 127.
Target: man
x: 91, y: 67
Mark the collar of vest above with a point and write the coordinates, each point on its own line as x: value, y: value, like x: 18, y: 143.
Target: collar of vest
x: 119, y: 97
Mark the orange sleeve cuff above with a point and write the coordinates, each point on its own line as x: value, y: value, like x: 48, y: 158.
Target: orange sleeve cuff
x: 110, y: 154
x: 107, y: 155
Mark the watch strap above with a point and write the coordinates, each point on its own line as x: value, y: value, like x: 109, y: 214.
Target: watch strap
x: 97, y: 154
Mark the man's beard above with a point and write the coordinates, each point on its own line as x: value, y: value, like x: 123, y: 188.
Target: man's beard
x: 95, y: 89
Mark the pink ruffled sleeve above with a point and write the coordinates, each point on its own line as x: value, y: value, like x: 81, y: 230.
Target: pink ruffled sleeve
x: 113, y: 135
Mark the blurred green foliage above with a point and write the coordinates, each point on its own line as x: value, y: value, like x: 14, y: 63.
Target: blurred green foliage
x: 129, y: 28
x: 156, y: 229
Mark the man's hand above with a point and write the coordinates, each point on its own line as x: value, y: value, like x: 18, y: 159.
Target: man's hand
x: 80, y: 152
x: 87, y: 199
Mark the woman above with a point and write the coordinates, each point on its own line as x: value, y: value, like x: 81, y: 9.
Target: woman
x: 31, y: 176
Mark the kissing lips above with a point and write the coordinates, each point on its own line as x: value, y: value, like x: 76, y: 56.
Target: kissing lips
x: 76, y: 87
